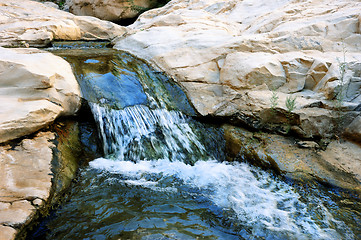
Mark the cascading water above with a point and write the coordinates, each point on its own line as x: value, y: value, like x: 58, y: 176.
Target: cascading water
x: 161, y: 178
x: 137, y: 133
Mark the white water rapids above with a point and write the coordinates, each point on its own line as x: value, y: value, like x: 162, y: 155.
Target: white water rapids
x: 268, y: 207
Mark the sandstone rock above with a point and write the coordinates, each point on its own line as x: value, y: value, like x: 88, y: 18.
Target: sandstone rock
x: 36, y: 87
x: 224, y: 52
x: 111, y: 10
x: 30, y: 23
x: 7, y: 233
x: 26, y: 178
x: 339, y: 164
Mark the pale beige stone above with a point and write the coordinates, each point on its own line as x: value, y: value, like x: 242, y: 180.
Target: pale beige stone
x: 26, y: 180
x: 36, y: 87
x: 29, y: 23
x: 17, y: 214
x: 32, y: 157
x: 7, y: 233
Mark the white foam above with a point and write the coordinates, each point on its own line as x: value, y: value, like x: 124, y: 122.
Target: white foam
x: 261, y: 203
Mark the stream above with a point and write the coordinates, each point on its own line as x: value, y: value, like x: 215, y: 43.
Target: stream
x: 164, y: 175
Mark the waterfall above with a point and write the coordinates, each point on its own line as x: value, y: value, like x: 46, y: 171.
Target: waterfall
x: 140, y: 133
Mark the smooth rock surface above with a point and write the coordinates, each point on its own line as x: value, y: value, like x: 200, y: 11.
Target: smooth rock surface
x: 36, y: 87
x: 26, y: 177
x: 7, y: 233
x: 29, y: 23
x: 111, y: 10
x: 225, y: 52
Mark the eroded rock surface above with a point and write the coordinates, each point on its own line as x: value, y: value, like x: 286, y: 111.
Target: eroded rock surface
x: 29, y: 23
x: 111, y: 10
x: 25, y: 181
x: 229, y: 55
x: 339, y: 164
x: 36, y: 87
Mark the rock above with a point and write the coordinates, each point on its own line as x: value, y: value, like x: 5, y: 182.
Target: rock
x: 51, y: 4
x: 27, y: 176
x: 353, y: 131
x: 39, y: 85
x: 7, y: 233
x: 30, y: 23
x: 110, y: 10
x: 230, y: 55
x: 338, y: 165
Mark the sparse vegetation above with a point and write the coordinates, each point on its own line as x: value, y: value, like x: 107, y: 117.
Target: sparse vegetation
x: 341, y: 92
x: 290, y: 103
x: 274, y: 99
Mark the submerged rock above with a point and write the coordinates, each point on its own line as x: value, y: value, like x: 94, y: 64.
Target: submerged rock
x: 36, y: 87
x: 29, y: 23
x: 339, y: 164
x: 230, y: 55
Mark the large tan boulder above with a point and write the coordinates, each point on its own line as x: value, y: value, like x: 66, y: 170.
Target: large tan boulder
x: 36, y: 87
x: 111, y: 10
x: 29, y: 23
x: 229, y: 55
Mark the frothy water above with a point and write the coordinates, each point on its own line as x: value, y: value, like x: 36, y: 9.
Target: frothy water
x: 265, y: 206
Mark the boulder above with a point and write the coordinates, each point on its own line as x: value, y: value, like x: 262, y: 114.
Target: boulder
x: 111, y: 10
x: 29, y: 23
x: 230, y: 55
x: 36, y: 87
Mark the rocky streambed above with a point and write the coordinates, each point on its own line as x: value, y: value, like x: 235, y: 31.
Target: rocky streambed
x: 240, y: 63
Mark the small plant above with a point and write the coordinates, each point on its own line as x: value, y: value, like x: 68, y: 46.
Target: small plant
x: 342, y: 67
x: 274, y: 99
x: 340, y: 96
x: 290, y: 103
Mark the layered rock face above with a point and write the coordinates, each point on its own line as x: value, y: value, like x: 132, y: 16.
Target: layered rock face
x: 229, y: 55
x: 36, y: 87
x: 111, y: 10
x: 29, y: 23
x: 25, y: 182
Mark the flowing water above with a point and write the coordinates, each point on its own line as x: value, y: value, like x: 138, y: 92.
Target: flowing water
x: 164, y: 175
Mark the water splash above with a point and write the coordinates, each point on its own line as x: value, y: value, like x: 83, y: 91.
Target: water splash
x: 264, y: 207
x: 140, y: 133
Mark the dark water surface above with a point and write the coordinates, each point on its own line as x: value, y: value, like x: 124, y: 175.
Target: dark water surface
x: 164, y: 175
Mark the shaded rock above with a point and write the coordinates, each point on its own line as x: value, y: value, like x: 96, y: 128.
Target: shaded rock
x: 110, y: 10
x: 337, y: 165
x: 29, y: 23
x: 225, y: 53
x: 353, y: 131
x: 36, y: 87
